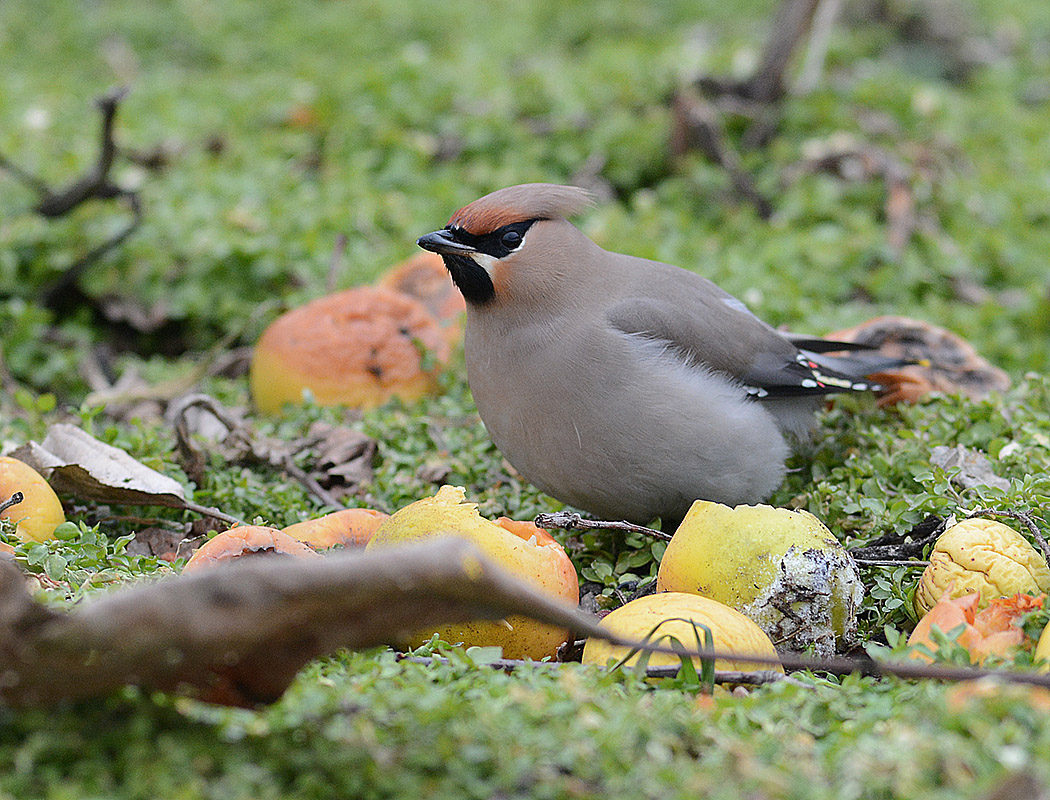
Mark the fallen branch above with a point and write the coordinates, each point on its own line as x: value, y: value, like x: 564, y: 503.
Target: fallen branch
x: 238, y: 634
x: 697, y: 124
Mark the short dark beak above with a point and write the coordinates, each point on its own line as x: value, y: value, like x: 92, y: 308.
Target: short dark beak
x: 443, y: 243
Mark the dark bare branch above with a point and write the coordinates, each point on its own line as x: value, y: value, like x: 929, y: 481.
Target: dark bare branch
x: 574, y: 522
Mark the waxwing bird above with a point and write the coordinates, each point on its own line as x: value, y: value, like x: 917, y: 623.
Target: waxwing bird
x: 626, y: 387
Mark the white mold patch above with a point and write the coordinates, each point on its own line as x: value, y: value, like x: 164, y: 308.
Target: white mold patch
x: 812, y: 603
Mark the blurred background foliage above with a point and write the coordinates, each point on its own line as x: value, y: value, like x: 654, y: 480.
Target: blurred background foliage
x: 265, y: 129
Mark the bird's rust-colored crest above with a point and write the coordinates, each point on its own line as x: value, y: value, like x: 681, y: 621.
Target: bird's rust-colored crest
x: 519, y: 203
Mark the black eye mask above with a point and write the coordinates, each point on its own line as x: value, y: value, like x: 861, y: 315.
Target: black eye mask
x: 499, y: 243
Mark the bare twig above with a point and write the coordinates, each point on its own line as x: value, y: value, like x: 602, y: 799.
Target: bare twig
x: 21, y: 175
x: 317, y: 490
x: 895, y: 546
x: 14, y: 500
x: 95, y: 184
x: 889, y: 562
x: 244, y: 436
x: 817, y: 51
x: 570, y: 522
x: 57, y: 293
x: 790, y: 25
x: 214, y: 513
x: 698, y: 119
x: 698, y: 125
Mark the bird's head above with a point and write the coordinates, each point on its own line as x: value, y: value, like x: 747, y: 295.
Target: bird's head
x: 483, y: 240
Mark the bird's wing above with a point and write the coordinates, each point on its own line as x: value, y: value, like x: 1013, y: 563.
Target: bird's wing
x: 710, y: 328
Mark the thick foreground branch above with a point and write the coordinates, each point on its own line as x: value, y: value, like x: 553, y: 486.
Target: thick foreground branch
x: 238, y: 634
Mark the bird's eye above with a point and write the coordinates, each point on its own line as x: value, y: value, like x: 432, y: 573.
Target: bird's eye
x: 511, y: 239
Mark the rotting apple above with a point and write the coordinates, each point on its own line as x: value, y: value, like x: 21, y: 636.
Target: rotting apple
x: 425, y: 277
x: 40, y: 511
x: 358, y: 347
x: 351, y: 527
x: 247, y: 541
x: 524, y: 550
x: 762, y: 560
x: 984, y: 556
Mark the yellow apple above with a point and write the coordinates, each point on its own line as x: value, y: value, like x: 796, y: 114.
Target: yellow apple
x: 984, y: 556
x: 764, y: 561
x: 40, y: 511
x: 521, y: 548
x: 673, y: 614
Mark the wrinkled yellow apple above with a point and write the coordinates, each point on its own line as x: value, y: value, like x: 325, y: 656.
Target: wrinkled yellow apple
x: 672, y: 614
x: 984, y: 556
x: 1042, y: 651
x: 525, y: 551
x: 762, y: 561
x: 40, y: 511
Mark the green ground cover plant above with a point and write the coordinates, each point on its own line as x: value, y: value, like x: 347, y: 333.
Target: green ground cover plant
x: 275, y: 127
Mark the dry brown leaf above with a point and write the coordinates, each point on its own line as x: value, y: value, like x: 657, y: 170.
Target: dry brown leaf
x: 76, y: 462
x: 974, y: 467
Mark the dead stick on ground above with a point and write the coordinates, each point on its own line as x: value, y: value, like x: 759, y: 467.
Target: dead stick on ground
x: 792, y: 22
x: 238, y: 634
x: 823, y: 24
x: 242, y: 433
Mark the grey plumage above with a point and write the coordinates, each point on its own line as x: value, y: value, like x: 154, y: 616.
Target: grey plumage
x: 623, y: 386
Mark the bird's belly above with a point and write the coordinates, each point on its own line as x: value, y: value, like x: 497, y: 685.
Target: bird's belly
x: 636, y: 441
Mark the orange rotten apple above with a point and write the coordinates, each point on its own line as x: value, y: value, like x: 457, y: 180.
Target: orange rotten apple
x: 351, y: 527
x: 426, y: 278
x: 527, y: 552
x: 244, y: 541
x: 40, y: 511
x: 987, y: 632
x: 358, y: 347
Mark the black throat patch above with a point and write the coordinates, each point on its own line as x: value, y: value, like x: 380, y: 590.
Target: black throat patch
x: 471, y: 279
